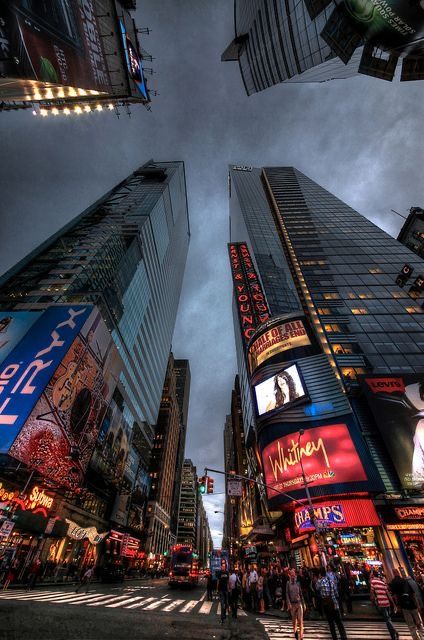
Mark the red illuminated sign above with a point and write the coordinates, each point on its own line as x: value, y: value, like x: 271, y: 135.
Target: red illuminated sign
x: 251, y: 303
x: 37, y: 501
x: 327, y: 453
x: 386, y: 385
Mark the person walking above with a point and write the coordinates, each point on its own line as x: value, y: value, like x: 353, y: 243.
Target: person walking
x: 382, y: 598
x: 222, y: 587
x: 253, y: 587
x: 34, y: 570
x: 234, y: 585
x: 406, y: 601
x: 327, y: 588
x: 260, y: 590
x: 295, y: 603
x: 85, y: 579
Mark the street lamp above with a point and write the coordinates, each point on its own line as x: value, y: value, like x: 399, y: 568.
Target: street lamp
x: 308, y: 497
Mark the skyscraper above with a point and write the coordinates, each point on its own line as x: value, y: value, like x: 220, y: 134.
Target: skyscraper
x: 318, y: 40
x: 187, y: 517
x: 183, y: 378
x: 70, y: 57
x: 125, y: 255
x: 347, y: 279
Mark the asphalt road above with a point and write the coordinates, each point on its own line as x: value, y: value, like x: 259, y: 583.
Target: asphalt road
x: 136, y: 610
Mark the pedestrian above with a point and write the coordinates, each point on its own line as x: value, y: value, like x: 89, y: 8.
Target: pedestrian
x: 85, y: 579
x: 234, y: 586
x: 406, y: 601
x: 10, y: 577
x: 382, y: 598
x: 327, y: 588
x: 260, y: 591
x: 245, y: 591
x: 295, y: 603
x: 209, y: 586
x: 253, y: 588
x: 33, y: 573
x: 223, y: 577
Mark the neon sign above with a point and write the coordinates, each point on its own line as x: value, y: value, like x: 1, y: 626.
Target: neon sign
x: 37, y: 501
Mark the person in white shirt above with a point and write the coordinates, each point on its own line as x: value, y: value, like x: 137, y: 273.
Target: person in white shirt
x: 253, y: 587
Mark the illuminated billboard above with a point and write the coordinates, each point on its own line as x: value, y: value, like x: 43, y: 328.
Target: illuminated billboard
x: 280, y: 391
x: 397, y: 403
x: 327, y: 453
x: 13, y: 326
x: 133, y: 61
x: 28, y: 368
x: 279, y: 338
x: 58, y: 43
x: 58, y: 437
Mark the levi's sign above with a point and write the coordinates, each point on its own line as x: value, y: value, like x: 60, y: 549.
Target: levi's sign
x: 28, y: 368
x: 386, y: 385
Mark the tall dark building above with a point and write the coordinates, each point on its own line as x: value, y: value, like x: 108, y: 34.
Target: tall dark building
x: 124, y: 257
x: 187, y: 516
x: 183, y: 378
x: 345, y: 278
x: 317, y: 40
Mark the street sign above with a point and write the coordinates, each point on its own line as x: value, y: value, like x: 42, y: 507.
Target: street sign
x: 6, y: 528
x: 234, y: 488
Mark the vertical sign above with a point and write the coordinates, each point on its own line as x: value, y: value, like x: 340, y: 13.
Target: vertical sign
x: 250, y: 298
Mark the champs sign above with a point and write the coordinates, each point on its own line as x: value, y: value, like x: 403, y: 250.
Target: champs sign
x: 287, y: 335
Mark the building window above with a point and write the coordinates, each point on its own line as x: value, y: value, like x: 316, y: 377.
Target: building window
x: 375, y: 270
x: 344, y: 349
x: 359, y: 311
x: 324, y: 311
x: 331, y: 296
x: 350, y: 373
x: 332, y: 328
x: 414, y: 309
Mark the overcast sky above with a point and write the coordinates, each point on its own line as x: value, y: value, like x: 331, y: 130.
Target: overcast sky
x: 360, y: 138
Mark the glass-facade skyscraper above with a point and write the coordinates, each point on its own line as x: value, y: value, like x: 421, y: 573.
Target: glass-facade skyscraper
x: 317, y: 40
x: 318, y: 257
x: 126, y: 253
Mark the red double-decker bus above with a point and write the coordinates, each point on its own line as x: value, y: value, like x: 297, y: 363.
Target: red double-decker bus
x: 184, y: 568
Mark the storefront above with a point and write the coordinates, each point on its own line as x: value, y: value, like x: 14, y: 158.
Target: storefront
x: 349, y: 533
x: 404, y: 527
x: 121, y: 548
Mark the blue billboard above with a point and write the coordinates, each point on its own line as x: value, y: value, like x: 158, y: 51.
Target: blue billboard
x: 13, y: 327
x: 28, y: 368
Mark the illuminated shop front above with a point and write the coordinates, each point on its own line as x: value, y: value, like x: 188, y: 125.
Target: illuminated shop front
x: 121, y: 548
x: 404, y: 528
x: 349, y: 531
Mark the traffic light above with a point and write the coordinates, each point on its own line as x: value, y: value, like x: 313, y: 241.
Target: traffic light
x: 202, y: 485
x: 210, y: 482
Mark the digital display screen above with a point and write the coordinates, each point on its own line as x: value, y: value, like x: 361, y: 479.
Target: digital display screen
x: 280, y: 391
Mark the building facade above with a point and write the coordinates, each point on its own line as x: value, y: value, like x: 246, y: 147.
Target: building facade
x: 204, y: 538
x: 187, y: 516
x: 163, y: 468
x: 183, y: 379
x: 72, y: 58
x: 347, y: 284
x: 316, y: 40
x: 123, y: 261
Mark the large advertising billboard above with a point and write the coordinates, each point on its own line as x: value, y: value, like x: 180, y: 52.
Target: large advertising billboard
x: 55, y: 42
x: 134, y: 62
x: 58, y: 437
x: 328, y: 455
x: 280, y: 391
x: 281, y: 337
x: 13, y: 326
x: 397, y: 403
x: 28, y: 368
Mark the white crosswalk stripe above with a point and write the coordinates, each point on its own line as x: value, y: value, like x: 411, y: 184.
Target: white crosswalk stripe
x: 126, y: 599
x: 318, y: 630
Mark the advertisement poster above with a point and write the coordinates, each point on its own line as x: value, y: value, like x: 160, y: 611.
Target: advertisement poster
x: 27, y: 369
x: 288, y: 335
x: 279, y: 391
x: 13, y: 326
x: 56, y: 43
x: 397, y: 403
x: 328, y: 456
x: 134, y: 62
x: 59, y: 436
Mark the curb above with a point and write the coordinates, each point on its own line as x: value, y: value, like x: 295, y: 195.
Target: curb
x: 346, y: 619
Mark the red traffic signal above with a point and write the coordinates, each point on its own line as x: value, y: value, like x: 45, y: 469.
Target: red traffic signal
x: 210, y: 482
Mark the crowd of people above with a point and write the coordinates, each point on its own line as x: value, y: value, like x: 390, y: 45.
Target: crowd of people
x: 320, y: 593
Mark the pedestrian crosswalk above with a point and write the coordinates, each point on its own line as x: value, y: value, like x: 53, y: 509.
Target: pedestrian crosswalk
x: 277, y: 629
x: 125, y: 600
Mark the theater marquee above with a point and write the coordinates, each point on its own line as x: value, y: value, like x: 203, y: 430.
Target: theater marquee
x: 285, y: 336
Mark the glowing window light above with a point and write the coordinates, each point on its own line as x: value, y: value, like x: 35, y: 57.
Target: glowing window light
x: 66, y: 111
x: 43, y: 112
x: 87, y: 108
x: 99, y: 107
x: 55, y: 111
x: 37, y: 95
x: 78, y: 109
x: 49, y: 94
x: 110, y: 106
x: 72, y: 92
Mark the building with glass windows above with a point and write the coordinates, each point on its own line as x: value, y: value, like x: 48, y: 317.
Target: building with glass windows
x: 187, y: 516
x: 126, y: 255
x: 317, y: 40
x: 183, y: 381
x: 318, y: 257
